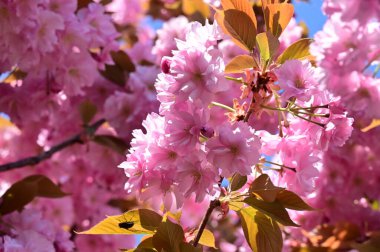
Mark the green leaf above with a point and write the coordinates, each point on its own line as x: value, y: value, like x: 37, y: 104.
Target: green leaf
x: 273, y: 209
x: 292, y: 201
x: 87, y: 111
x: 263, y: 187
x: 207, y: 238
x: 277, y: 16
x: 115, y: 143
x: 268, y: 46
x: 261, y: 232
x: 239, y: 26
x: 168, y: 237
x: 240, y: 63
x: 297, y: 50
x: 145, y: 221
x: 24, y: 191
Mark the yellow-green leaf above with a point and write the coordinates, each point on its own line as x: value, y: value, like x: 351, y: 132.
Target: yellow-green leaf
x: 207, y: 238
x: 297, y: 50
x: 277, y: 16
x: 241, y: 5
x: 189, y: 7
x: 239, y: 26
x: 261, y: 232
x: 236, y: 205
x: 273, y: 209
x: 263, y: 187
x: 240, y: 63
x: 374, y: 124
x: 87, y: 111
x: 15, y: 75
x: 168, y: 237
x: 267, y: 45
x: 144, y: 221
x: 291, y: 200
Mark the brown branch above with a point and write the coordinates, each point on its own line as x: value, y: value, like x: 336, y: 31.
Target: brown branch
x: 213, y: 205
x: 88, y: 131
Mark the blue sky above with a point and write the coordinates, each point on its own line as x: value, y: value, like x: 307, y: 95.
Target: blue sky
x: 311, y: 14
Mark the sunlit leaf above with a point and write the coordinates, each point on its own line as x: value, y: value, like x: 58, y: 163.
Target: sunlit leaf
x: 189, y: 7
x: 267, y: 45
x: 273, y: 209
x: 292, y: 201
x: 236, y: 205
x: 24, y: 191
x: 144, y: 221
x: 87, y: 111
x: 4, y: 123
x: 261, y: 232
x: 113, y: 142
x: 168, y: 237
x: 239, y: 26
x: 263, y: 187
x: 240, y: 63
x: 297, y: 50
x: 15, y: 75
x: 207, y: 238
x: 241, y: 5
x: 374, y: 124
x: 277, y: 16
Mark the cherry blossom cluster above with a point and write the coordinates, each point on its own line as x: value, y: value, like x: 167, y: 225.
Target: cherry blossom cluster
x: 347, y: 51
x: 192, y: 143
x: 62, y: 49
x: 28, y: 231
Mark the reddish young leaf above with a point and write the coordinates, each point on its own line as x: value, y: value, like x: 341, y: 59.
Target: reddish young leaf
x: 241, y: 5
x: 240, y: 63
x: 277, y: 16
x: 239, y: 26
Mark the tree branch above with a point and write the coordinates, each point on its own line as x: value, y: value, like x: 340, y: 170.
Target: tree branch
x: 213, y: 205
x: 88, y: 131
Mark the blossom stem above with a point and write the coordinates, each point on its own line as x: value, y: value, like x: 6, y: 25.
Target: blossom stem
x: 217, y: 104
x: 88, y: 131
x: 213, y: 204
x: 281, y: 165
x: 311, y: 121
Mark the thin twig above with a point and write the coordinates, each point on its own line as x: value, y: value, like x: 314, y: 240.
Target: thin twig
x: 213, y: 205
x: 88, y: 131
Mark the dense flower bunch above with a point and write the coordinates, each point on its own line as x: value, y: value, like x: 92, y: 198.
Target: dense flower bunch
x: 345, y: 50
x: 211, y: 119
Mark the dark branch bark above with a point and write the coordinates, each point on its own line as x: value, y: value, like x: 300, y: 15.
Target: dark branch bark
x: 213, y: 205
x: 88, y: 131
